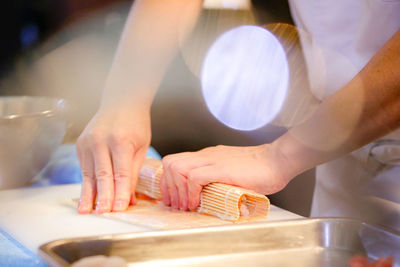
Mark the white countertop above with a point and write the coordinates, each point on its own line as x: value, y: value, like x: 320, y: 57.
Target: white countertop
x: 34, y: 216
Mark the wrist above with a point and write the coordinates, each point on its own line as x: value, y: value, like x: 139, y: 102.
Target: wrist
x: 124, y: 111
x: 293, y: 156
x: 128, y: 102
x: 129, y: 93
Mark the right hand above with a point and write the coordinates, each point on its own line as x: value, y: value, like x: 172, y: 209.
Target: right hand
x: 111, y: 150
x: 262, y: 168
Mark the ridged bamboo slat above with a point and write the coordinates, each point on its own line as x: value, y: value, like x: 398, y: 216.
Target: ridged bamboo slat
x: 224, y: 201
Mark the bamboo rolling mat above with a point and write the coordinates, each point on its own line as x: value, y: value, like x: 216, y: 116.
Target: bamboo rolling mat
x: 220, y: 204
x: 224, y: 201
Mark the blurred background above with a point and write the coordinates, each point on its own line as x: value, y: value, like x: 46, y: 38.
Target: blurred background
x: 64, y: 48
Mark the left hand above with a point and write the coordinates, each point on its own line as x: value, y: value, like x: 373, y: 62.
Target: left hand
x: 260, y: 168
x: 111, y: 150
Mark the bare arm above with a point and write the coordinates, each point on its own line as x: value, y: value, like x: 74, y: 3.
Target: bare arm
x: 113, y: 145
x: 151, y: 38
x: 367, y: 108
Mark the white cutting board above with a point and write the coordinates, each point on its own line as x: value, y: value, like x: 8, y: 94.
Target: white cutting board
x: 34, y: 216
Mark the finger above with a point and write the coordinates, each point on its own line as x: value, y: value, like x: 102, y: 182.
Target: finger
x: 88, y: 190
x: 137, y: 163
x: 183, y: 162
x: 181, y: 184
x: 164, y: 191
x: 176, y: 169
x: 122, y: 156
x: 104, y: 177
x: 172, y: 190
x: 198, y: 178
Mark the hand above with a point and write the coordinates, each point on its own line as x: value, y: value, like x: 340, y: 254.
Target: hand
x: 362, y: 261
x: 259, y: 168
x: 111, y: 151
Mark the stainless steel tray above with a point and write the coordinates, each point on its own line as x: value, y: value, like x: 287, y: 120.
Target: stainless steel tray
x: 304, y: 242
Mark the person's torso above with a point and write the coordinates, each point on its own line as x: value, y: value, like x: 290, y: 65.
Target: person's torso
x: 345, y: 35
x: 339, y: 37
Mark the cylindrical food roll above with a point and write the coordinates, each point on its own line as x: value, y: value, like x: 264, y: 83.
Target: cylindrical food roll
x: 224, y: 201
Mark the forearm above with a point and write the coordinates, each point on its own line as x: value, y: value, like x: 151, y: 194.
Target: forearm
x: 367, y: 108
x: 151, y: 38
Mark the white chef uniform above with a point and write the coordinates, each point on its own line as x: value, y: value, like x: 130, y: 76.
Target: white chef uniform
x: 345, y: 35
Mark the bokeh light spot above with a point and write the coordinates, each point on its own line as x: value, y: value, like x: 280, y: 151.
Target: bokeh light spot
x: 245, y: 77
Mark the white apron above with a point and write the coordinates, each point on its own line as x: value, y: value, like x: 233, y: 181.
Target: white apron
x: 345, y: 35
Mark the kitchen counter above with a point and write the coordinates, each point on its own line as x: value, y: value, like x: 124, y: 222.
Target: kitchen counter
x: 33, y: 216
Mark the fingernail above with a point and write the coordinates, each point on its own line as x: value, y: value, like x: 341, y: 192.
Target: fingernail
x: 84, y: 208
x: 103, y: 206
x: 120, y: 205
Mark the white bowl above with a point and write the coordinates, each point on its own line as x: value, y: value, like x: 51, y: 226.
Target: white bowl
x: 31, y: 128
